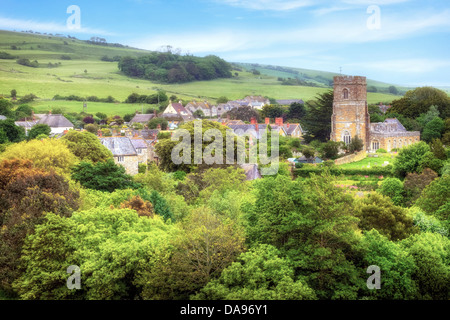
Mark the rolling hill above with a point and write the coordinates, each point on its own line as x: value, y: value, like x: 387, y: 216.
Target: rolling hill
x: 68, y: 66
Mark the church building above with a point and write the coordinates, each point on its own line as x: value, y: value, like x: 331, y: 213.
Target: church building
x: 351, y: 118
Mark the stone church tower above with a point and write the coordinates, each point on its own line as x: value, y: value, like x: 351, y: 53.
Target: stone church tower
x: 350, y: 113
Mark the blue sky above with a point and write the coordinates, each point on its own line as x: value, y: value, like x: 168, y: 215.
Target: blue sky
x: 407, y: 43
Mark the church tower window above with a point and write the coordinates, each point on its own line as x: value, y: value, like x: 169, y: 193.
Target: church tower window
x: 345, y: 93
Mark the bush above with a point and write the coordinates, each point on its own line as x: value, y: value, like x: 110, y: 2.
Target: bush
x: 381, y: 151
x: 298, y: 165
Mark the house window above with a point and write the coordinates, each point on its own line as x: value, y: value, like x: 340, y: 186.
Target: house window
x: 139, y: 151
x: 347, y: 138
x: 375, y: 145
x: 345, y: 93
x: 120, y: 159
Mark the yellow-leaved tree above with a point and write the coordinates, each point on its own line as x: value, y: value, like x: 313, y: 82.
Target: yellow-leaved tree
x: 46, y: 154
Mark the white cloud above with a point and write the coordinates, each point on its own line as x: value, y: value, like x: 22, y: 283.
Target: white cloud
x: 375, y: 2
x: 275, y: 5
x: 327, y: 34
x: 408, y: 66
x: 17, y: 24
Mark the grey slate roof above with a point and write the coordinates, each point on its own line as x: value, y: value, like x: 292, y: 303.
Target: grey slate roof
x: 139, y: 143
x: 26, y: 124
x: 292, y: 127
x: 119, y: 146
x: 142, y: 118
x: 287, y: 102
x: 55, y: 121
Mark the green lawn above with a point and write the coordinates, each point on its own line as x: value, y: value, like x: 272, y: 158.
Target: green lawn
x: 369, y: 161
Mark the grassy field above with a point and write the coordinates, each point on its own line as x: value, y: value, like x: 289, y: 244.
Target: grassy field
x: 86, y: 75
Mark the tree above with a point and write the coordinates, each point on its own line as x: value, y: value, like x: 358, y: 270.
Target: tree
x: 259, y: 274
x: 14, y: 94
x: 38, y: 130
x: 244, y: 113
x: 142, y: 207
x: 26, y: 194
x: 86, y: 146
x: 313, y: 224
x: 47, y: 154
x: 435, y: 198
x: 378, y: 212
x: 393, y: 188
x: 272, y: 111
x: 88, y: 120
x: 431, y: 254
x: 415, y: 183
x: 396, y: 265
x: 393, y: 90
x: 13, y: 132
x: 199, y: 114
x: 296, y: 111
x: 153, y: 124
x: 438, y: 149
x: 409, y: 159
x: 330, y: 149
x: 222, y: 99
x: 355, y: 145
x: 206, y: 246
x: 101, y: 115
x: 91, y: 128
x: 114, y: 248
x: 5, y: 107
x: 103, y: 176
x: 217, y: 151
x: 160, y: 205
x: 419, y: 100
x: 317, y: 121
x: 433, y: 129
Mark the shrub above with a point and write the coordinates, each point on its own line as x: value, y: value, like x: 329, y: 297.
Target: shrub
x: 381, y: 151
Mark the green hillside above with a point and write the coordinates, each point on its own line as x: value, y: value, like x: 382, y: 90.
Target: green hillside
x: 86, y: 75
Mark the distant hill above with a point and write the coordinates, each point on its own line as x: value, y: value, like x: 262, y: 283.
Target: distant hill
x: 323, y: 79
x: 58, y: 65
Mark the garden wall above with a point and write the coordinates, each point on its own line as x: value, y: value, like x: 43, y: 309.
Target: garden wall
x: 358, y: 156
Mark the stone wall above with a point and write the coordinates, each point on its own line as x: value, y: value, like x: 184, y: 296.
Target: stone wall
x: 358, y: 156
x: 130, y: 163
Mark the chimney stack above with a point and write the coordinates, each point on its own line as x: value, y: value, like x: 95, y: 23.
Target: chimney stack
x: 253, y: 120
x: 279, y: 121
x: 267, y: 120
x: 50, y: 112
x: 99, y: 133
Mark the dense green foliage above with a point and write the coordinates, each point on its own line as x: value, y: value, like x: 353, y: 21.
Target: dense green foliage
x: 317, y: 121
x: 102, y: 176
x: 173, y: 68
x: 86, y: 146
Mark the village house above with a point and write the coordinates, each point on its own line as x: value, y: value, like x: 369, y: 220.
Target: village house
x: 141, y: 147
x: 124, y: 153
x: 57, y: 122
x: 207, y: 109
x: 142, y: 118
x: 175, y: 113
